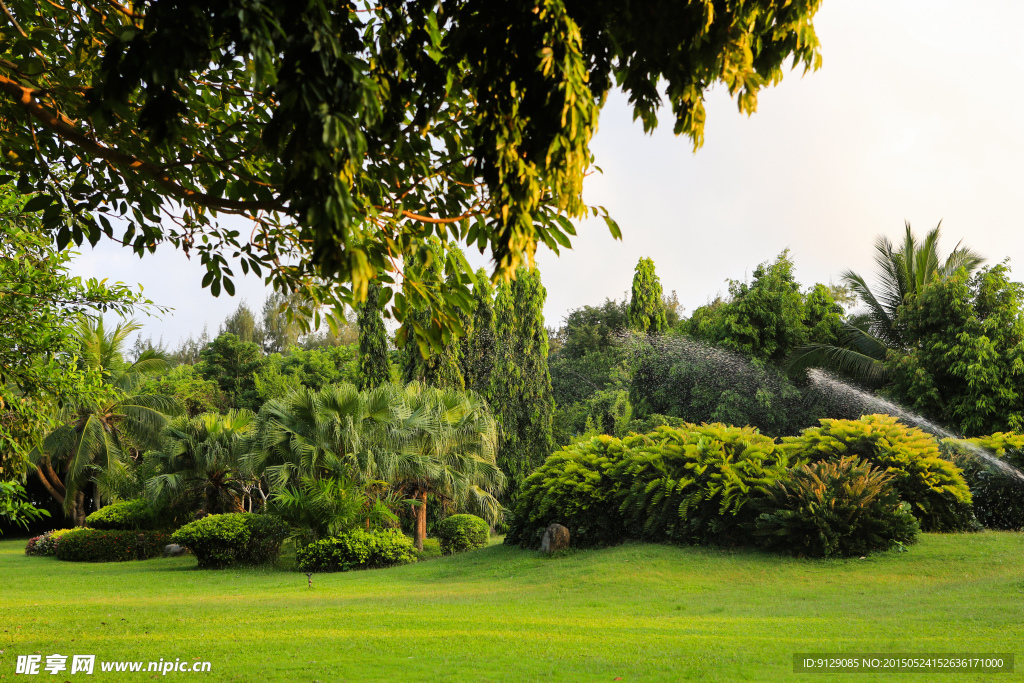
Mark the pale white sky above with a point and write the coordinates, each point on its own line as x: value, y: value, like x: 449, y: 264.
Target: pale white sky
x: 915, y: 115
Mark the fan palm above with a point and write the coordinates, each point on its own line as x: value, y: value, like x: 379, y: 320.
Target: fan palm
x: 200, y: 459
x: 100, y: 433
x: 867, y: 337
x: 419, y: 440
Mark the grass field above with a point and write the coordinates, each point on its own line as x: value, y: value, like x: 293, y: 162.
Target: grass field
x: 635, y: 613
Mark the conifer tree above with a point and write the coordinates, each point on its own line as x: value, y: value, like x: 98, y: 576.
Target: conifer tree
x: 374, y: 366
x: 438, y: 368
x: 647, y: 307
x: 521, y: 395
x: 479, y: 346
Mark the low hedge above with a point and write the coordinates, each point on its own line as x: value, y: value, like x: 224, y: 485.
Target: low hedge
x: 126, y: 516
x: 97, y: 545
x: 459, y: 533
x: 356, y: 549
x: 46, y: 544
x: 834, y: 508
x: 218, y: 541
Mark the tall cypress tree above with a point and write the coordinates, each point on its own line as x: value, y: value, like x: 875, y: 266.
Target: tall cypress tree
x: 374, y: 366
x: 521, y: 395
x: 438, y: 368
x: 646, y: 306
x: 479, y: 346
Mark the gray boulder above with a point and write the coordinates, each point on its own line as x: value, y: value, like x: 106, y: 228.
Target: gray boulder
x: 556, y: 537
x: 174, y: 550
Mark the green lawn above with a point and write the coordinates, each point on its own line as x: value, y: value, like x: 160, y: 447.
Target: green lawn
x: 636, y: 612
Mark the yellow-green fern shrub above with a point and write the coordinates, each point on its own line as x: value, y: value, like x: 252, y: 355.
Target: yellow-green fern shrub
x: 998, y: 498
x: 695, y: 483
x: 934, y: 487
x: 572, y: 488
x: 841, y: 508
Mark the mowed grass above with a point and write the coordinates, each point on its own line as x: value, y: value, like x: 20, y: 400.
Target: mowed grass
x: 635, y: 612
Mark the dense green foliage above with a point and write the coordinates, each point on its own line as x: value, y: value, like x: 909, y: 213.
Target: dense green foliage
x: 356, y: 549
x: 39, y: 304
x: 14, y: 508
x: 521, y: 382
x: 233, y: 364
x: 682, y: 378
x: 219, y: 541
x: 934, y: 487
x: 646, y: 307
x: 183, y: 382
x: 374, y: 363
x: 479, y: 346
x: 347, y: 134
x: 768, y: 318
x: 695, y: 484
x: 997, y: 496
x: 128, y: 515
x: 96, y: 545
x: 440, y: 367
x: 460, y: 533
x: 838, y: 508
x: 572, y: 487
x: 965, y: 365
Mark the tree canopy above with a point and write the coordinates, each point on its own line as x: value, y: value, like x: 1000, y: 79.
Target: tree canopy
x: 341, y: 134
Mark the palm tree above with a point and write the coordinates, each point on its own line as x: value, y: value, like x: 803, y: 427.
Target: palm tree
x: 453, y: 449
x: 102, y: 431
x: 201, y: 460
x: 867, y: 337
x: 421, y: 441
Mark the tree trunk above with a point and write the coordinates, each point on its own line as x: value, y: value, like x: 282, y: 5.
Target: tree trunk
x: 46, y: 482
x: 421, y: 520
x: 79, y: 509
x: 54, y: 479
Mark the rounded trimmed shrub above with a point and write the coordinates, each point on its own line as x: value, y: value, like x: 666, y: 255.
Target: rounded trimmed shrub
x: 126, y: 515
x: 97, y: 545
x: 835, y: 508
x: 357, y: 549
x: 998, y: 498
x: 219, y: 541
x: 934, y: 487
x: 459, y: 533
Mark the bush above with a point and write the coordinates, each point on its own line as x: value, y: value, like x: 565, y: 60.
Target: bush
x: 127, y: 515
x: 357, y: 549
x: 934, y: 487
x: 459, y: 533
x: 46, y: 544
x: 218, y: 541
x: 998, y: 498
x: 693, y: 484
x: 96, y: 545
x: 571, y: 487
x: 690, y: 484
x: 835, y: 508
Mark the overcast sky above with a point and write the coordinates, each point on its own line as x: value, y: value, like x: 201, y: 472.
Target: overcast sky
x: 915, y: 115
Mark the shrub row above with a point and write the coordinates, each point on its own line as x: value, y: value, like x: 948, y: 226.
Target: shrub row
x: 96, y: 545
x: 219, y: 541
x: 845, y: 487
x: 356, y: 549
